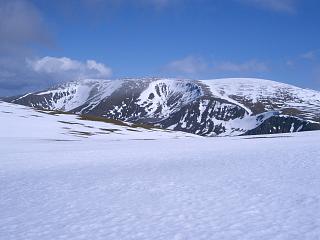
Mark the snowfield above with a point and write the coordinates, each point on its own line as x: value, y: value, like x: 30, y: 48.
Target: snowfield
x: 66, y: 178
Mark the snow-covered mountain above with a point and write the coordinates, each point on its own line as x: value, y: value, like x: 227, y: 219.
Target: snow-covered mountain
x: 221, y: 107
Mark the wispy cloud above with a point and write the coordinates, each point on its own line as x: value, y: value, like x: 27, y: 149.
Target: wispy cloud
x: 288, y: 6
x: 307, y: 57
x: 158, y: 4
x: 316, y: 73
x: 193, y: 66
x: 187, y: 65
x: 251, y: 66
x: 311, y: 55
x: 311, y: 59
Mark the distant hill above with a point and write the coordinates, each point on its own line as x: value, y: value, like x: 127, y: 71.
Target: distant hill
x: 218, y: 107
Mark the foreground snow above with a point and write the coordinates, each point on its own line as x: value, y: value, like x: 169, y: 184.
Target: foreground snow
x: 100, y: 187
x: 24, y: 122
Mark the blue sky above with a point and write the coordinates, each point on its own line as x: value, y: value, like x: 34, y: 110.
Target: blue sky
x: 52, y: 41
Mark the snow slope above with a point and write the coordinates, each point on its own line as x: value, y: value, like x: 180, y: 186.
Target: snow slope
x: 24, y: 122
x: 274, y: 95
x: 73, y: 94
x: 170, y: 94
x: 61, y: 186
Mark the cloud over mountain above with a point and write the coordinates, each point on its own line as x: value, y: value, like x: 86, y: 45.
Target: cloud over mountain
x: 66, y: 68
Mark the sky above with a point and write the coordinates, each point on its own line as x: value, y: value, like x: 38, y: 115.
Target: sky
x: 44, y: 43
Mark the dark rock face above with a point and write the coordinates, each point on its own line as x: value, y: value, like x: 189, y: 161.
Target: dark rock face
x: 37, y: 101
x: 283, y: 124
x: 204, y: 116
x: 206, y: 108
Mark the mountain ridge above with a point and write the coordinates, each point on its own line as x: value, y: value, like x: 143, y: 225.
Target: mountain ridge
x: 216, y: 107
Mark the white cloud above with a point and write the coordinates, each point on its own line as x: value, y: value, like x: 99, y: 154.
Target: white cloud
x: 52, y: 64
x: 103, y: 70
x: 288, y: 6
x: 245, y: 67
x: 66, y: 68
x: 188, y: 65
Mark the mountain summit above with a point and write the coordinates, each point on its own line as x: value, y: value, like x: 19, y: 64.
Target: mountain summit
x: 218, y: 107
